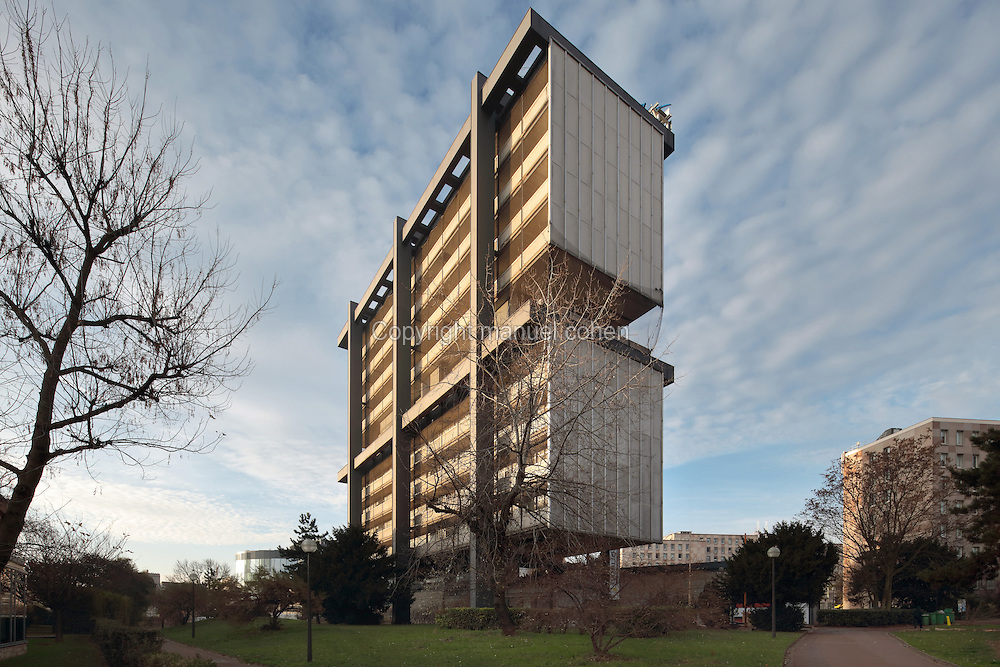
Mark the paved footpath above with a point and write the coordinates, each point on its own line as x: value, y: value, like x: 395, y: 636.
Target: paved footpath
x: 170, y: 646
x: 859, y: 647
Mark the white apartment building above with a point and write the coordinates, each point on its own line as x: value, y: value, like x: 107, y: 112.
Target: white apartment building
x: 685, y: 547
x: 950, y: 439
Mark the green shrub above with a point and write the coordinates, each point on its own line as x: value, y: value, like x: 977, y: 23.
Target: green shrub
x: 466, y: 618
x: 124, y: 646
x: 865, y: 618
x: 115, y: 607
x: 788, y: 618
x: 39, y: 615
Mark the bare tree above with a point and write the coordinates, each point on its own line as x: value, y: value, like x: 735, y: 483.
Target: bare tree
x: 209, y: 572
x: 561, y: 394
x: 114, y: 334
x: 596, y: 608
x: 217, y: 590
x: 876, y: 502
x: 62, y: 564
x: 270, y: 594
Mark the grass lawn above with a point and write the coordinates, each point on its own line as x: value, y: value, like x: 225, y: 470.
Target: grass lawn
x: 76, y: 650
x: 428, y: 646
x: 966, y: 645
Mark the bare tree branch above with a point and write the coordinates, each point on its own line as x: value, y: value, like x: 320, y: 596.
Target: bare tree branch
x: 111, y: 311
x: 874, y: 503
x: 553, y: 394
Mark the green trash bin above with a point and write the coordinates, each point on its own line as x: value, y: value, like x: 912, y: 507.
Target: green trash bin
x: 925, y: 620
x: 939, y: 618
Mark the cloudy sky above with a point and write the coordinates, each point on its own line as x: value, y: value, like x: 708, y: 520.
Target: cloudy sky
x: 832, y: 230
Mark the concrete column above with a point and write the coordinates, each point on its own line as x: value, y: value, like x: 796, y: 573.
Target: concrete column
x: 354, y: 415
x: 483, y: 233
x: 614, y: 573
x: 402, y: 272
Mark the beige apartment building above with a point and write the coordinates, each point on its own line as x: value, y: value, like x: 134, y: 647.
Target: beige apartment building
x: 685, y: 547
x: 951, y: 443
x: 555, y: 177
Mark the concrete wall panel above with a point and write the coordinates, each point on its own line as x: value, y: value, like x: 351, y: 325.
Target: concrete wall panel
x: 617, y: 445
x: 606, y: 166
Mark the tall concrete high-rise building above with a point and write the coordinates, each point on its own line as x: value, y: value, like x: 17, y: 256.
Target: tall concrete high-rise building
x: 546, y: 210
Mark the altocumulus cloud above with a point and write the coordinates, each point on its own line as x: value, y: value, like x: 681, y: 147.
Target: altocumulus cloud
x: 160, y: 514
x: 830, y: 213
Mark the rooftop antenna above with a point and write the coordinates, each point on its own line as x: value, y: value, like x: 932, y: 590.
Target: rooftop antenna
x: 660, y: 112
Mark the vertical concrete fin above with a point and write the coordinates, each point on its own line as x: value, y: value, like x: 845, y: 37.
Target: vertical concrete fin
x: 355, y: 415
x: 483, y: 185
x: 401, y: 337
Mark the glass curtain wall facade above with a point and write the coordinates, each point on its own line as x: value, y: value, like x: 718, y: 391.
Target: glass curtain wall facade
x: 249, y: 562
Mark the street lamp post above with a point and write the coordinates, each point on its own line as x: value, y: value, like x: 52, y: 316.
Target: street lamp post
x: 773, y: 554
x: 194, y: 579
x: 309, y: 546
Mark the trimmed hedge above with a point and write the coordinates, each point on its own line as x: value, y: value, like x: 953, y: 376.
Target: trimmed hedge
x: 466, y: 618
x: 787, y: 618
x: 866, y: 618
x: 124, y: 646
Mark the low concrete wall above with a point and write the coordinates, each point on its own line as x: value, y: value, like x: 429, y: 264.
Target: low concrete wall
x: 12, y: 650
x: 672, y: 584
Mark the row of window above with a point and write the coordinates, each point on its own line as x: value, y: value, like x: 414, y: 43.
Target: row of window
x: 714, y: 540
x: 944, y: 505
x: 943, y: 530
x: 656, y: 547
x: 709, y: 557
x: 708, y: 551
x: 961, y: 551
x: 959, y: 436
x: 644, y: 557
x: 959, y: 459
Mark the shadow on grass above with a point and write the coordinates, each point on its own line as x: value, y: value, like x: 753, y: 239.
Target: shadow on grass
x: 429, y: 646
x: 75, y: 650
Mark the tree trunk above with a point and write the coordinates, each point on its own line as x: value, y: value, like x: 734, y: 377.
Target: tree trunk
x: 885, y: 599
x: 12, y: 521
x: 504, y: 618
